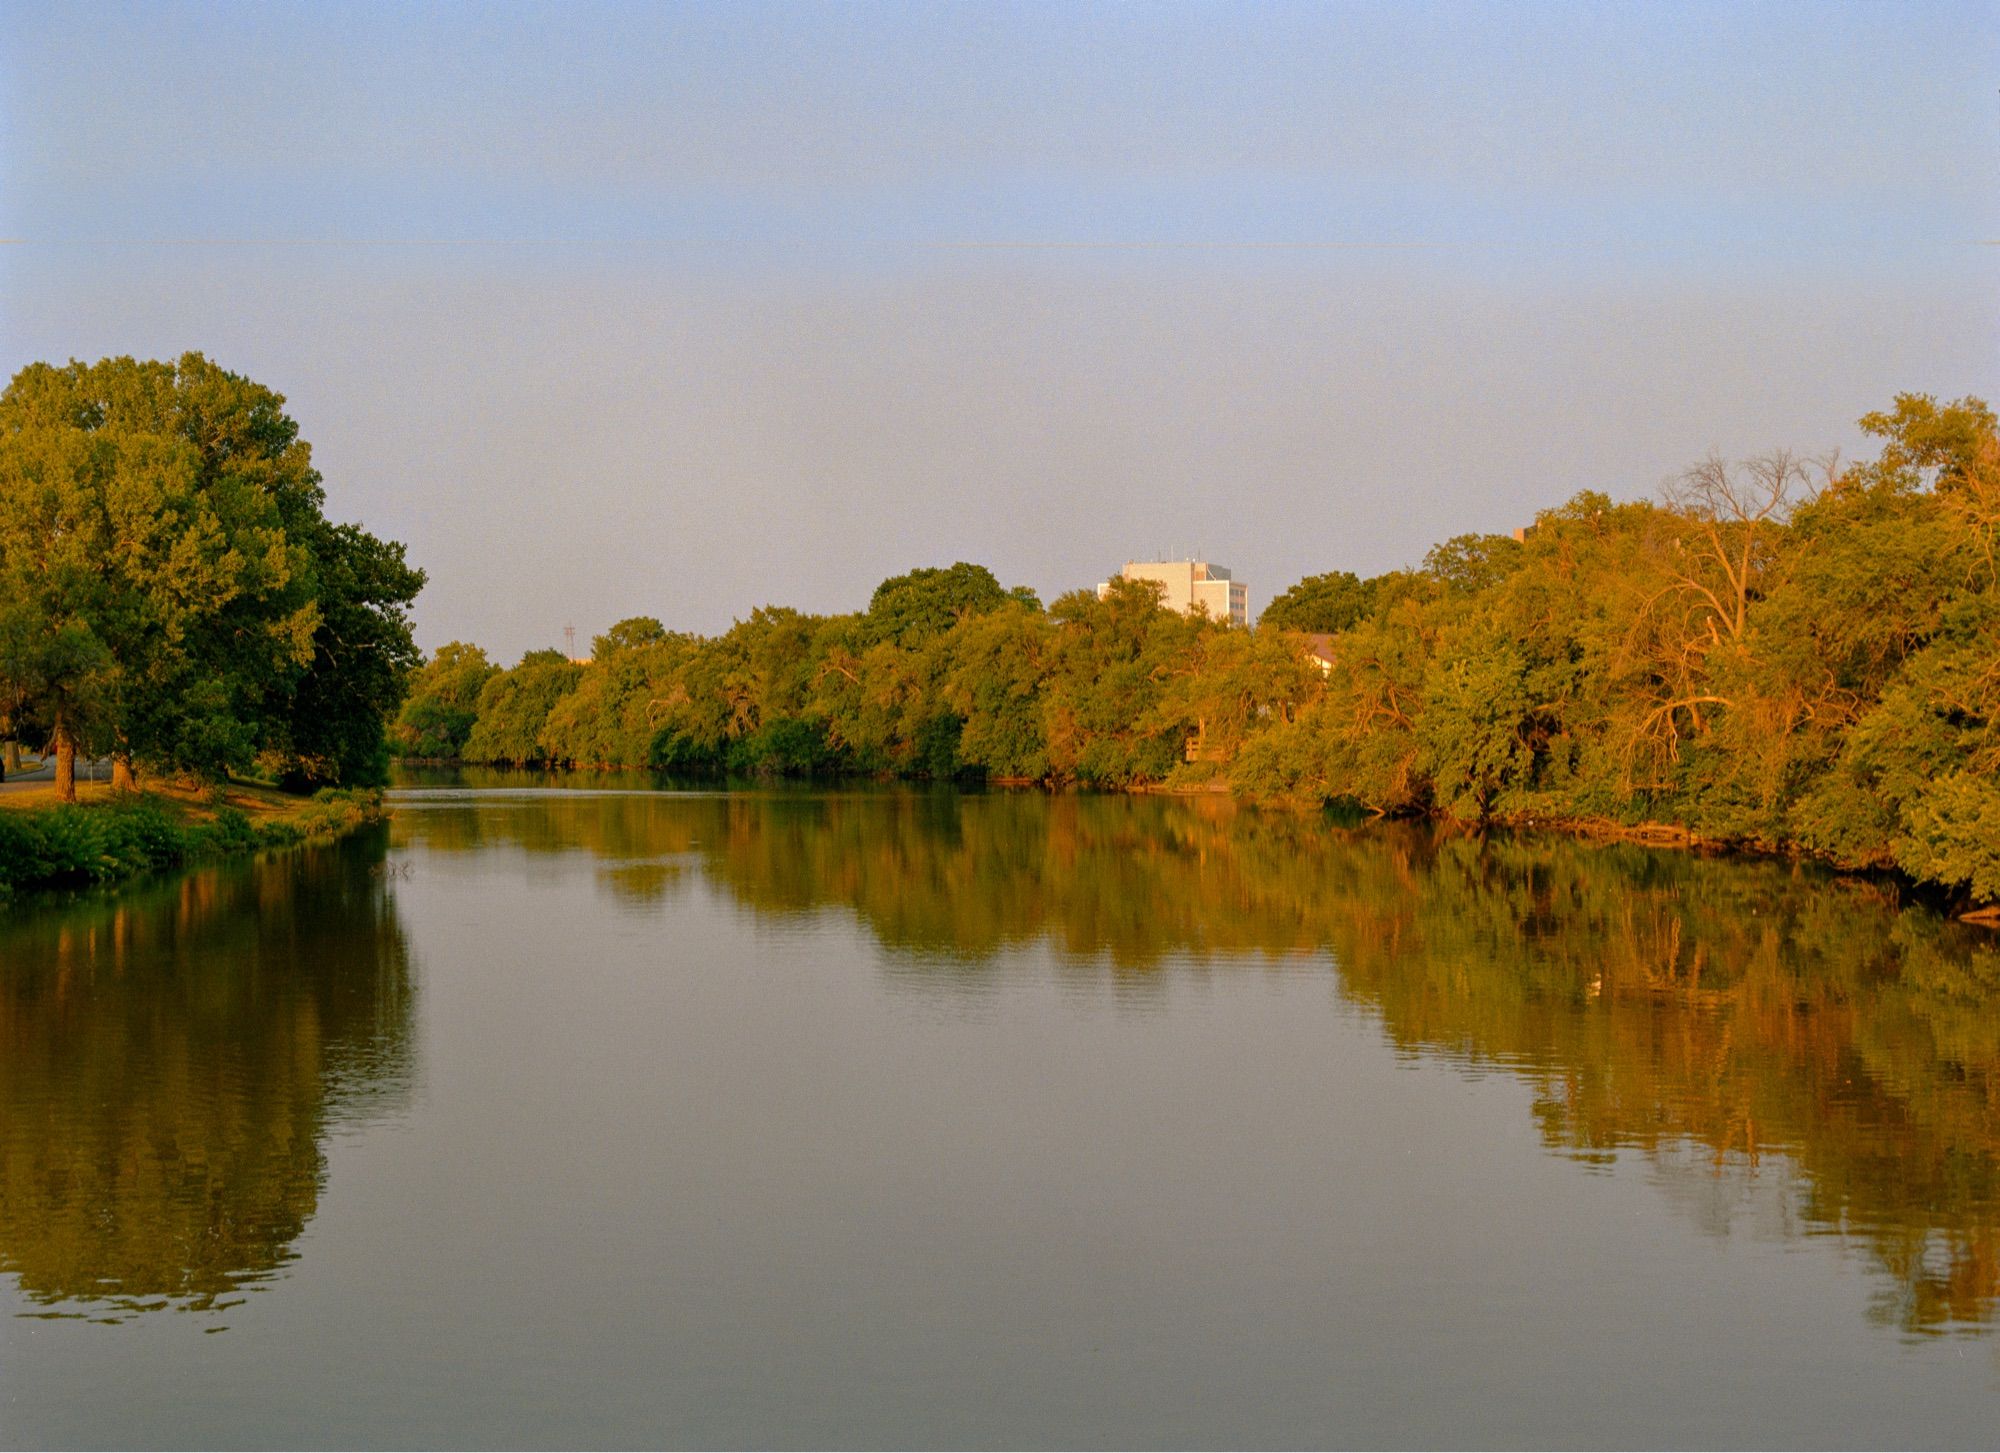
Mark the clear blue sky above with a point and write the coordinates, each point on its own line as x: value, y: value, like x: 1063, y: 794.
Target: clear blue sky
x: 679, y: 310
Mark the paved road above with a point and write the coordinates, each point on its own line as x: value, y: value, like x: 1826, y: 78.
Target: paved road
x: 45, y: 772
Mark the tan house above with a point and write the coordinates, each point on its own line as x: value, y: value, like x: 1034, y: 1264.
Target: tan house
x: 1318, y: 648
x: 1188, y: 584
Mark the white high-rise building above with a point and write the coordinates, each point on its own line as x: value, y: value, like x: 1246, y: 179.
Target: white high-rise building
x: 1187, y: 584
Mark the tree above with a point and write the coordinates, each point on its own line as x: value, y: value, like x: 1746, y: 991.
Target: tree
x: 328, y: 728
x: 909, y: 609
x: 1228, y: 684
x: 187, y: 603
x: 627, y: 635
x: 55, y: 587
x: 1782, y: 653
x: 1953, y: 450
x: 1327, y: 603
x: 514, y: 709
x: 1734, y: 512
x: 1898, y: 594
x: 997, y: 684
x: 1471, y: 731
x: 1112, y: 657
x: 1473, y: 563
x: 613, y: 715
x: 442, y: 704
x: 200, y: 601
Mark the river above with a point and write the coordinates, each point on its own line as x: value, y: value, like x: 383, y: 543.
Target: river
x: 567, y: 1111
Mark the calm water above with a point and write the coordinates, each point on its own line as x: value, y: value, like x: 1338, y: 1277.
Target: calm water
x: 866, y: 1117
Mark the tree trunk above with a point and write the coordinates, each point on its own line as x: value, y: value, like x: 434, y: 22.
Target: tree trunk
x: 65, y: 762
x: 10, y: 756
x: 123, y: 778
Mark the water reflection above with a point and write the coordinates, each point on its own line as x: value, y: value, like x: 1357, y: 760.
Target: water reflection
x: 171, y: 1062
x: 1790, y: 1054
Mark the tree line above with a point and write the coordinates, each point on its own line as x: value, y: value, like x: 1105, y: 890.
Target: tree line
x: 172, y: 593
x: 1784, y: 653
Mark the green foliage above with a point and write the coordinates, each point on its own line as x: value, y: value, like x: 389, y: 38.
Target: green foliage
x: 786, y: 746
x: 69, y: 845
x: 443, y: 703
x: 514, y: 709
x: 909, y: 609
x: 1113, y: 722
x: 1936, y: 446
x: 173, y: 592
x: 1758, y: 660
x: 613, y: 714
x: 1761, y: 657
x: 1474, y: 562
x: 632, y: 634
x: 1473, y: 734
x: 333, y: 719
x: 1324, y: 604
x: 1951, y: 835
x: 997, y: 686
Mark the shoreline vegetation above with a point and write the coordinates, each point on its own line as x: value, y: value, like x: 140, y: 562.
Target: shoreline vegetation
x: 1781, y: 655
x: 1784, y: 655
x: 107, y: 836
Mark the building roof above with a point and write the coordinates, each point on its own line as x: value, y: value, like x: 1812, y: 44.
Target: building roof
x: 1318, y: 644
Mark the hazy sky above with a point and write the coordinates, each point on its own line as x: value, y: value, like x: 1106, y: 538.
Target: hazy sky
x: 679, y: 310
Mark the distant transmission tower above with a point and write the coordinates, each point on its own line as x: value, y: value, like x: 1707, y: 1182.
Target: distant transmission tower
x: 569, y: 642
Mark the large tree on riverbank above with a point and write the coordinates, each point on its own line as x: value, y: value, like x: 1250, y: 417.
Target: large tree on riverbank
x: 174, y: 593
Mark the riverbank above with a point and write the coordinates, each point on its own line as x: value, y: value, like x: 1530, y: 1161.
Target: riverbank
x: 1948, y: 902
x: 1654, y: 834
x: 106, y: 837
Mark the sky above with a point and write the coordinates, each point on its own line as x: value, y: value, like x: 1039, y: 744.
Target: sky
x: 617, y: 309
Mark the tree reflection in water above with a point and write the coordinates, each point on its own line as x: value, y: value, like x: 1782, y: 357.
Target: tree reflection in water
x: 1790, y: 1052
x: 170, y: 1063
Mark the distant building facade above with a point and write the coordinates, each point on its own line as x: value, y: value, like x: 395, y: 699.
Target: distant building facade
x: 1189, y: 583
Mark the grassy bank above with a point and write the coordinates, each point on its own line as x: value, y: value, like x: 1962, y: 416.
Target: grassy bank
x: 102, y: 838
